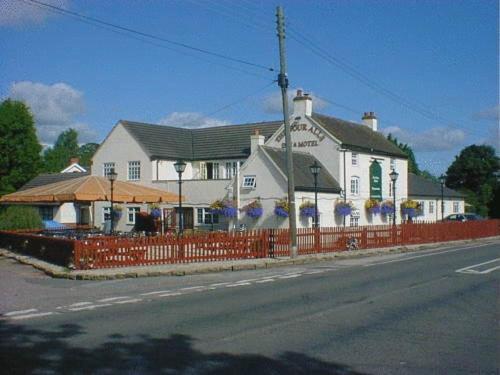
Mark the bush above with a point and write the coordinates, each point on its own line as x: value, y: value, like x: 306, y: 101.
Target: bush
x: 20, y: 217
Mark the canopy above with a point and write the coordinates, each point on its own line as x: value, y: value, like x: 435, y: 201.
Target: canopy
x: 90, y: 189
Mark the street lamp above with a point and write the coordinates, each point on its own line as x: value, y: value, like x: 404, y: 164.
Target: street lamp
x: 180, y: 166
x: 315, y: 169
x: 112, y: 175
x: 394, y: 176
x: 442, y: 180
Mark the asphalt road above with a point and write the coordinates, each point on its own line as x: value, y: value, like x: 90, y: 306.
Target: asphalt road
x: 429, y: 312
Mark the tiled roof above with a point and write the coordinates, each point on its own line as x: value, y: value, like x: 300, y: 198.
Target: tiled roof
x: 49, y: 178
x: 302, y: 174
x: 358, y: 137
x: 221, y: 142
x: 419, y: 186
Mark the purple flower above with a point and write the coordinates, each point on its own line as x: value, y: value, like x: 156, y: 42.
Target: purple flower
x: 255, y: 212
x: 156, y: 213
x: 280, y: 211
x: 308, y: 211
x: 387, y: 209
x: 411, y: 212
x: 375, y: 210
x: 216, y: 211
x: 229, y: 211
x: 343, y: 209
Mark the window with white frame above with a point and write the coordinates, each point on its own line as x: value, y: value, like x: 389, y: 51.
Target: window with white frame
x: 231, y: 169
x: 203, y: 170
x: 422, y: 207
x: 355, y: 185
x: 134, y: 170
x: 456, y: 207
x: 107, y: 168
x: 106, y: 212
x: 354, y: 221
x: 249, y: 182
x: 131, y: 212
x: 354, y: 158
x: 215, y: 171
x: 205, y: 216
x: 393, y: 164
x: 431, y: 207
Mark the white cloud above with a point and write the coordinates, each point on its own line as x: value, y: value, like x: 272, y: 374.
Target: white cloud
x: 492, y: 113
x: 54, y: 108
x: 434, y: 139
x: 191, y: 120
x: 273, y: 103
x: 14, y: 12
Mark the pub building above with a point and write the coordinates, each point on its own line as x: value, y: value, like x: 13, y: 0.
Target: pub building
x: 235, y: 175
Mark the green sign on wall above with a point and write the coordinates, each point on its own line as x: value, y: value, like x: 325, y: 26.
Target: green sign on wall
x: 375, y: 181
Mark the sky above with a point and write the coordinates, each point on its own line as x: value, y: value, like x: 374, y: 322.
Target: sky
x: 428, y: 69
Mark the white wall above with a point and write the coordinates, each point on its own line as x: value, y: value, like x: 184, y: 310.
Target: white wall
x: 436, y: 215
x: 67, y: 213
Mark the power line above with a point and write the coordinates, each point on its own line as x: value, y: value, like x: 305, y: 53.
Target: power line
x: 146, y: 35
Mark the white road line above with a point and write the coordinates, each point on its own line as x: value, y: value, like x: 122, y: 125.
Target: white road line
x: 135, y: 300
x: 112, y: 299
x: 469, y: 269
x: 20, y: 312
x: 313, y: 272
x: 423, y: 255
x: 219, y: 284
x: 264, y: 281
x: 290, y: 276
x: 170, y: 294
x: 193, y: 287
x: 91, y: 307
x: 79, y: 304
x: 155, y: 292
x: 237, y: 284
x: 489, y: 270
x: 29, y: 316
x: 246, y: 281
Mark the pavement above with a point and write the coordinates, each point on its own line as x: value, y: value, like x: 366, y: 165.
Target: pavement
x: 219, y: 266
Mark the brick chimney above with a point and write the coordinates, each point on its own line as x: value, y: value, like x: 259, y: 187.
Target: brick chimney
x: 302, y: 105
x: 370, y: 120
x: 256, y: 140
x: 74, y: 160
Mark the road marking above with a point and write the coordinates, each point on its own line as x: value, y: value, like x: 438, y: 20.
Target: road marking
x: 155, y: 292
x: 29, y: 316
x: 170, y: 294
x: 112, y: 299
x: 237, y: 284
x: 265, y: 281
x: 19, y: 312
x: 219, y: 284
x: 290, y: 276
x: 193, y: 287
x: 91, y: 307
x: 135, y: 300
x: 79, y: 304
x: 314, y: 272
x: 247, y: 281
x: 470, y: 269
x: 423, y: 255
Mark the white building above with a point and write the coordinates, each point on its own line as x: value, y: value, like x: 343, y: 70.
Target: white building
x: 246, y: 163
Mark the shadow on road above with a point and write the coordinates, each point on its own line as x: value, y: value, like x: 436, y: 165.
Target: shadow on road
x: 27, y: 350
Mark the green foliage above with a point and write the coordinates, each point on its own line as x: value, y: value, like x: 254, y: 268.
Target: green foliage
x: 429, y: 176
x: 57, y: 158
x: 474, y: 172
x: 19, y: 147
x: 20, y: 217
x: 412, y: 161
x: 86, y: 152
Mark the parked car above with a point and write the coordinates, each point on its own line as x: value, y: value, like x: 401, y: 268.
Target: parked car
x: 463, y: 217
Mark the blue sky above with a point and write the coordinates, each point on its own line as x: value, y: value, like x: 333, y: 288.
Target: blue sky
x: 438, y: 57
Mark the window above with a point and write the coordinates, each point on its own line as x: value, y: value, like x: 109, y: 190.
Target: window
x: 249, y: 182
x: 431, y: 207
x: 206, y: 217
x: 354, y: 158
x: 422, y: 207
x: 107, y: 168
x: 355, y: 185
x: 231, y: 169
x: 209, y: 171
x: 203, y: 170
x: 393, y: 164
x: 215, y: 171
x: 131, y: 212
x: 46, y: 212
x: 106, y: 211
x: 353, y: 221
x: 134, y: 170
x: 456, y: 207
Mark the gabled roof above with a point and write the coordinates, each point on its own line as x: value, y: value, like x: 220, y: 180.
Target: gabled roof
x: 358, y: 137
x: 419, y: 186
x: 302, y: 174
x: 221, y: 142
x: 50, y: 178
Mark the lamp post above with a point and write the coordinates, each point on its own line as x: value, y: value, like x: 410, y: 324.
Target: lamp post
x: 315, y: 169
x: 112, y: 175
x: 394, y: 176
x: 442, y: 180
x: 180, y: 166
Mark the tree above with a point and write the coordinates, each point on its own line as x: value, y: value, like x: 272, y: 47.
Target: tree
x: 20, y: 158
x: 412, y: 162
x: 66, y: 147
x: 20, y: 217
x: 474, y: 172
x: 86, y: 152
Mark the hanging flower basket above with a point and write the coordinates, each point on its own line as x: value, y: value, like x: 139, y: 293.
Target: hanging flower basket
x: 254, y: 209
x: 343, y: 208
x: 307, y: 209
x: 156, y: 213
x: 373, y: 206
x: 281, y: 208
x: 117, y: 212
x: 223, y: 207
x: 387, y: 208
x: 411, y: 208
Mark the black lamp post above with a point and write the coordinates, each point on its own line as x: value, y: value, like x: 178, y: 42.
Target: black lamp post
x: 442, y: 180
x: 180, y: 166
x: 315, y: 169
x: 112, y: 175
x: 394, y: 176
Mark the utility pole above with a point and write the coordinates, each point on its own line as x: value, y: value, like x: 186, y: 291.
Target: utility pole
x: 283, y: 84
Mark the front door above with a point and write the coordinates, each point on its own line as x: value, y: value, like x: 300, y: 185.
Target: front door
x: 188, y: 216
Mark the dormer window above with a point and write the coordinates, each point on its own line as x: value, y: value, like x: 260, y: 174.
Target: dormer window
x: 249, y: 182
